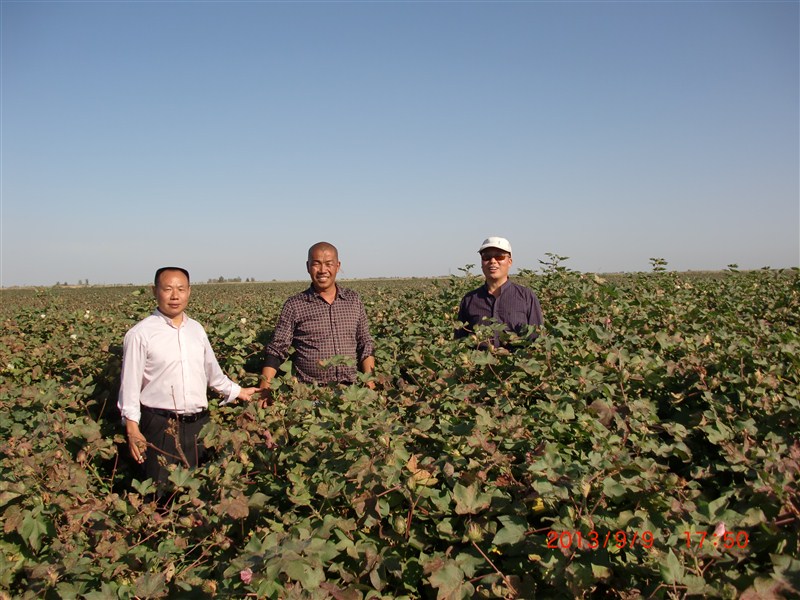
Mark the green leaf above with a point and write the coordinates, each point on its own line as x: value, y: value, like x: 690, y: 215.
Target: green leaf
x: 143, y: 487
x: 483, y: 358
x: 612, y: 488
x: 32, y: 530
x: 151, y: 585
x: 309, y: 577
x: 6, y: 497
x: 182, y: 477
x: 235, y: 507
x: 787, y: 566
x: 513, y: 530
x: 258, y: 500
x: 671, y: 569
x: 470, y: 501
x: 601, y: 571
x: 449, y: 581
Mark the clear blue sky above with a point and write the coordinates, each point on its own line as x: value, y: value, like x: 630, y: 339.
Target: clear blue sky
x: 227, y: 137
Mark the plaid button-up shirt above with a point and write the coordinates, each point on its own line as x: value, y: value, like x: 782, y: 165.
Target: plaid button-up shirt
x: 318, y: 331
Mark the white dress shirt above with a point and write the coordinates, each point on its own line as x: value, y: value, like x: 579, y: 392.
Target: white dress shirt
x: 169, y: 367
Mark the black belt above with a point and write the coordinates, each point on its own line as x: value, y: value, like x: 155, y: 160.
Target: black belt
x: 182, y: 417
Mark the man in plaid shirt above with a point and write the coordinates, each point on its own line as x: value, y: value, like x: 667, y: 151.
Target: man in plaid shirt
x: 325, y: 320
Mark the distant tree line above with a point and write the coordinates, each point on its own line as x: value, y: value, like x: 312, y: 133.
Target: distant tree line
x: 65, y: 284
x: 222, y: 279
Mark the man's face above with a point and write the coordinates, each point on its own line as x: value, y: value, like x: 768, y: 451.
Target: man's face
x: 495, y: 264
x: 323, y: 265
x: 172, y: 293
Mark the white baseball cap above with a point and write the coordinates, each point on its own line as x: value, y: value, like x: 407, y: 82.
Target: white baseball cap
x: 496, y: 242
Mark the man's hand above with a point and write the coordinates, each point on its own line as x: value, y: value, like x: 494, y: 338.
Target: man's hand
x: 247, y: 393
x: 136, y: 442
x: 267, y: 373
x: 367, y: 366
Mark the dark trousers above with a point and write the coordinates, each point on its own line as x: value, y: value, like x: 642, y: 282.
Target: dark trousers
x: 163, y: 431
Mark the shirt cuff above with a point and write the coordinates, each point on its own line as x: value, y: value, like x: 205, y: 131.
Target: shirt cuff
x: 236, y: 389
x: 273, y: 361
x: 131, y: 414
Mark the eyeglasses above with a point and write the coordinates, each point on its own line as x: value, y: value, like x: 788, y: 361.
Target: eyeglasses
x: 498, y: 257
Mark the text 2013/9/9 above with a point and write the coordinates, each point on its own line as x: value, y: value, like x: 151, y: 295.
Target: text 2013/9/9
x: 593, y: 540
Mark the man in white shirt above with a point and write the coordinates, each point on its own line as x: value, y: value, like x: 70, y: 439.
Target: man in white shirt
x: 167, y: 367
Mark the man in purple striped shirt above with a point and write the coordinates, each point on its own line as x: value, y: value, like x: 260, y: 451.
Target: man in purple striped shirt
x: 499, y: 299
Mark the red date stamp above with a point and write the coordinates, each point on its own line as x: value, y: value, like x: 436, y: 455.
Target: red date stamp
x: 595, y: 540
x: 718, y: 539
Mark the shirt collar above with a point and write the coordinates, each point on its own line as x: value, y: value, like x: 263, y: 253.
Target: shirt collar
x: 167, y: 320
x: 485, y: 287
x: 312, y: 294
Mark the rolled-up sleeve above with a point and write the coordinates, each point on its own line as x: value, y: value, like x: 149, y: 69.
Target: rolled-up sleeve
x: 134, y: 357
x: 277, y: 351
x: 364, y: 344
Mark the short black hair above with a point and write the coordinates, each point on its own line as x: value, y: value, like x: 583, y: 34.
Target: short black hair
x: 323, y: 246
x: 162, y: 269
